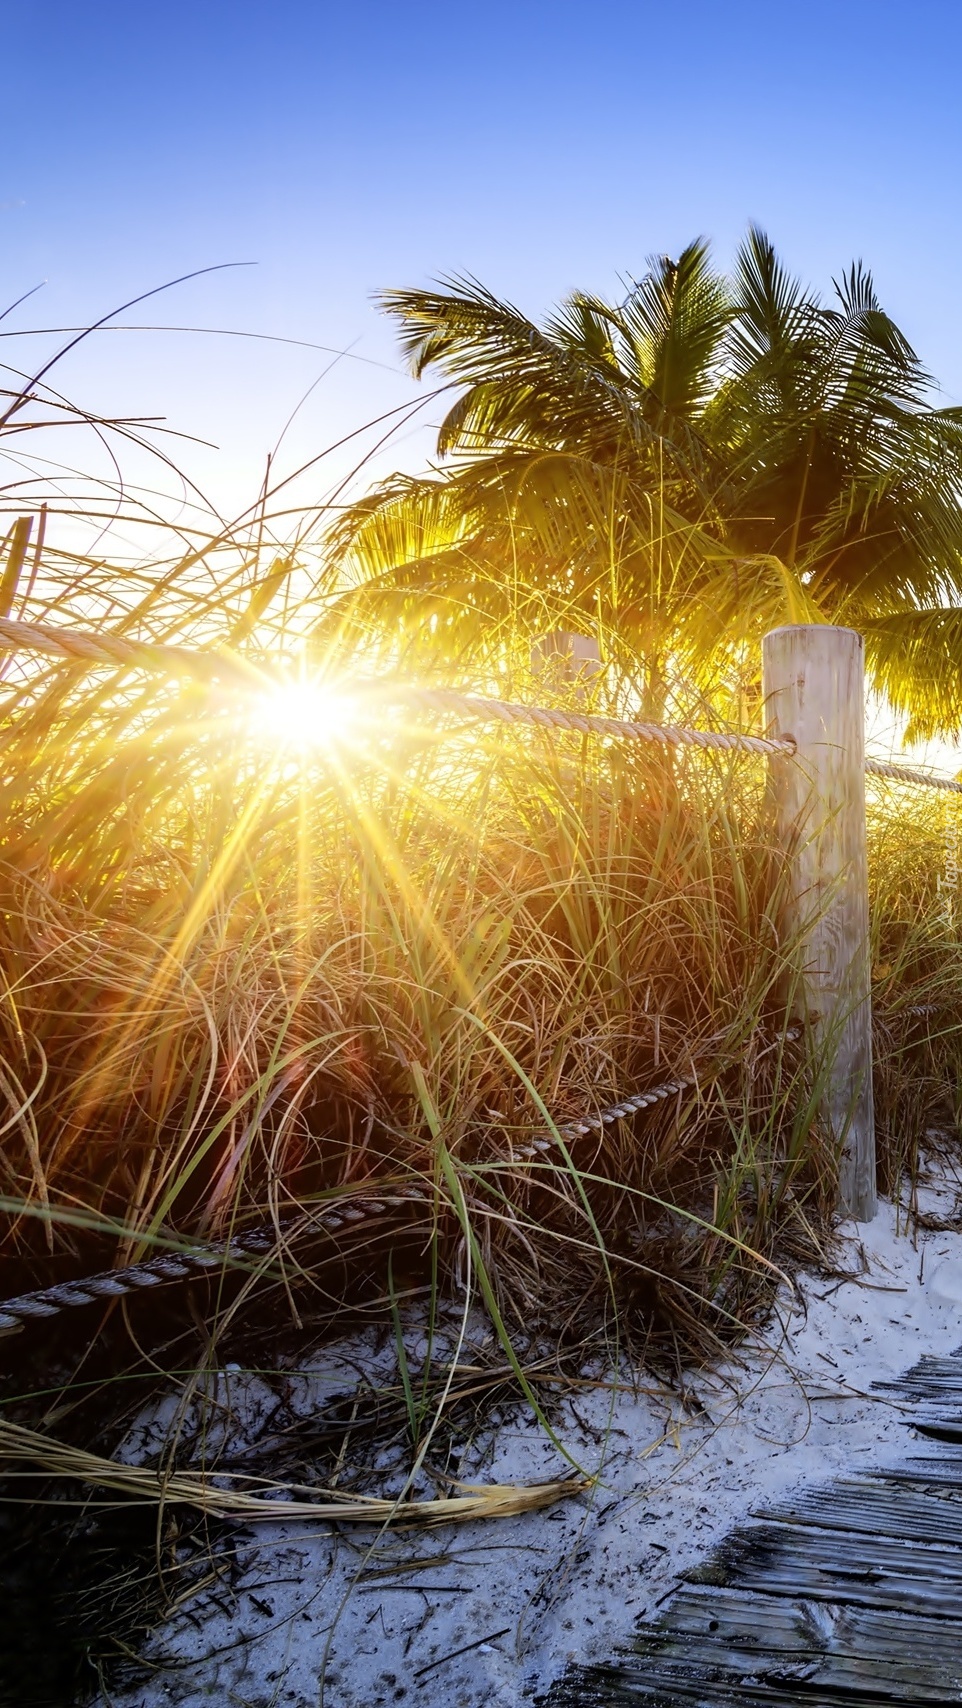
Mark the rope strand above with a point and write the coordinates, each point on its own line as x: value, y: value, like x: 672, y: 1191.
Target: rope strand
x: 488, y: 710
x: 83, y: 646
x: 77, y: 644
x: 80, y: 645
x: 261, y: 1241
x: 909, y: 774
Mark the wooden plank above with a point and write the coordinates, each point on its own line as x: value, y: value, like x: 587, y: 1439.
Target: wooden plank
x: 880, y: 1572
x: 814, y: 689
x: 728, y: 1634
x: 943, y: 1477
x: 844, y: 1594
x: 726, y: 1645
x: 876, y: 1506
x: 626, y: 1685
x: 929, y: 1379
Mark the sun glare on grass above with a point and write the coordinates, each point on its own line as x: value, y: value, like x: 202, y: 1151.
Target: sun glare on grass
x: 304, y: 716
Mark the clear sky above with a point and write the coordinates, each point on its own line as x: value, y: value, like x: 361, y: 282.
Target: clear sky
x: 537, y: 146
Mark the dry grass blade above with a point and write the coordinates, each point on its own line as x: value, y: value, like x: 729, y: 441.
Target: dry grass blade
x: 59, y: 1459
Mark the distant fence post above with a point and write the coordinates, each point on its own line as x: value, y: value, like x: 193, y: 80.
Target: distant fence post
x: 814, y: 687
x: 561, y: 657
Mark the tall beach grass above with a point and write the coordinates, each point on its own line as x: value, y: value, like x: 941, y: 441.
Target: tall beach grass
x: 249, y: 966
x: 250, y: 969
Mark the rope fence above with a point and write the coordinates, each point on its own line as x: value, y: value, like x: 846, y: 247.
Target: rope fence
x: 181, y: 1265
x: 909, y: 774
x: 213, y: 666
x: 488, y: 710
x: 80, y: 646
x: 83, y: 646
x: 190, y: 1262
x: 77, y: 645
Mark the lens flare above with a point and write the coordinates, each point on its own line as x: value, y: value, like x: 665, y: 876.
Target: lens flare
x: 304, y: 715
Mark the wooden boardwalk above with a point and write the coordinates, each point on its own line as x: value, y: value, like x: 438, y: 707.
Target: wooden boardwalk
x: 849, y: 1593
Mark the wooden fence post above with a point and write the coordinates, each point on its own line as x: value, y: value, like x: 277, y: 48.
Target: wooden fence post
x: 573, y: 657
x: 814, y: 687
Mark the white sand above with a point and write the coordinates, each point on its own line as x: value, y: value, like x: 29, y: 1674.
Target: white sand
x: 297, y: 1629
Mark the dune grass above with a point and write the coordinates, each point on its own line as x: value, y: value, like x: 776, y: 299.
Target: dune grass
x: 242, y: 979
x: 250, y: 968
x: 249, y: 971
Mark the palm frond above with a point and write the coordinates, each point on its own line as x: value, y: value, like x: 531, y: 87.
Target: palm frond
x: 775, y: 320
x: 915, y: 659
x: 702, y: 432
x: 674, y: 321
x: 521, y: 381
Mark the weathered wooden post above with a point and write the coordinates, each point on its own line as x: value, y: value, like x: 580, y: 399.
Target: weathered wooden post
x: 573, y: 657
x: 814, y: 687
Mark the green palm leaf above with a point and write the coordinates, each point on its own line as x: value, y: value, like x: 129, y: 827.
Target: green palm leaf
x: 683, y: 466
x: 916, y: 660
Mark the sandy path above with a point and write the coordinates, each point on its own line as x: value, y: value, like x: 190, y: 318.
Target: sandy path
x: 306, y: 1622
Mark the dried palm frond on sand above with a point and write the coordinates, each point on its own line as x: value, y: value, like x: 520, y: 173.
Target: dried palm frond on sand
x: 275, y: 1502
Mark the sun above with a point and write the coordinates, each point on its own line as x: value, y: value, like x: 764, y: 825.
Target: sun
x: 303, y: 716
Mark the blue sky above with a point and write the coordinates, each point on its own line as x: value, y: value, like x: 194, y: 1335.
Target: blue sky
x: 537, y: 146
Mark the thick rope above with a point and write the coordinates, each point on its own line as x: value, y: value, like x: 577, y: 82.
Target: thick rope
x: 76, y: 644
x: 908, y: 774
x: 185, y: 1264
x: 607, y: 1117
x: 488, y: 710
x: 261, y: 1241
x: 80, y: 645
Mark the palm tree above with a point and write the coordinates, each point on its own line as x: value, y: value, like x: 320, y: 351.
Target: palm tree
x: 678, y: 470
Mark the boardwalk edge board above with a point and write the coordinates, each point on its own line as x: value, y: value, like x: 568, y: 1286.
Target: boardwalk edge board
x: 847, y: 1592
